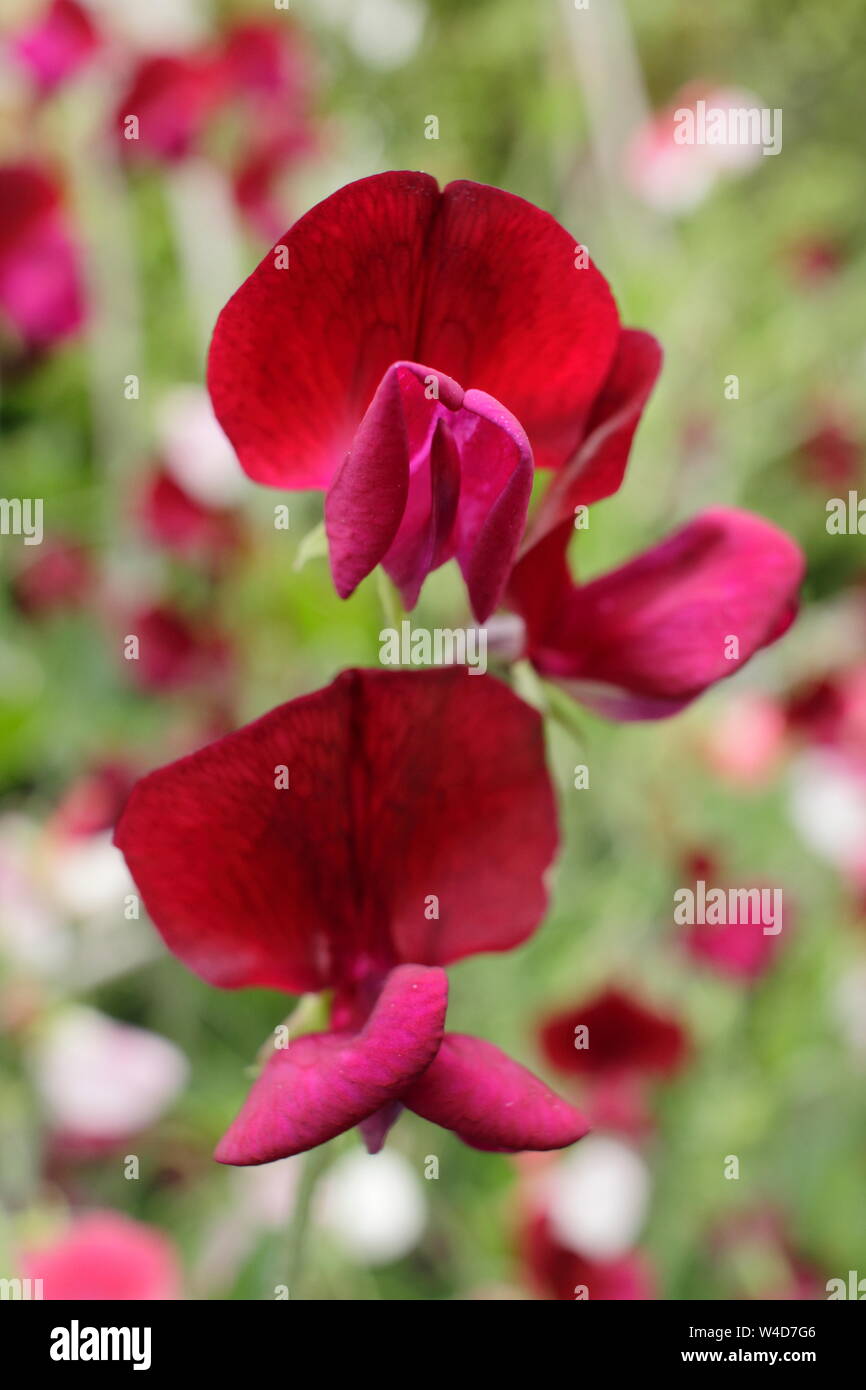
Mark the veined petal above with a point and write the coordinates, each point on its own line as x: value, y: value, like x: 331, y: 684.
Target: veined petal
x: 471, y: 279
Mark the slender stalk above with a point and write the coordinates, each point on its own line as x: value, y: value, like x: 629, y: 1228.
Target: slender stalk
x: 315, y: 1163
x: 392, y: 608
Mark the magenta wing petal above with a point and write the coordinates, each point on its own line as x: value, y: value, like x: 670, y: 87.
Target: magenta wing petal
x: 492, y: 1102
x: 648, y: 638
x: 325, y: 1083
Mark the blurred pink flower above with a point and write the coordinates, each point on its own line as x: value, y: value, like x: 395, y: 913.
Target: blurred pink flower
x: 104, y: 1256
x: 93, y: 801
x: 746, y: 740
x: 101, y: 1081
x: 673, y: 177
x: 57, y: 45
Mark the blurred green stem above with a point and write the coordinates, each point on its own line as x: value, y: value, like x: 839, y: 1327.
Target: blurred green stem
x: 392, y: 607
x: 315, y: 1163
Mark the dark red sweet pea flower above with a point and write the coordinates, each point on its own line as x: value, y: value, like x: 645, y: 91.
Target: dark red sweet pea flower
x: 404, y: 841
x: 832, y: 454
x: 58, y: 45
x: 40, y: 279
x: 625, y: 1038
x: 392, y: 290
x: 174, y: 651
x: 558, y: 1272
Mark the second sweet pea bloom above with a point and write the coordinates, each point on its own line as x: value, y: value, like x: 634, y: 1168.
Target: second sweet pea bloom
x: 358, y: 840
x: 386, y: 351
x: 644, y: 640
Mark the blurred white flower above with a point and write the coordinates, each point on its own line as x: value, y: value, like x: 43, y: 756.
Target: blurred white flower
x: 383, y: 33
x: 597, y: 1197
x: 194, y: 449
x: 32, y: 934
x: 157, y: 24
x: 100, y: 1079
x: 374, y: 1205
x: 88, y: 875
x: 827, y: 806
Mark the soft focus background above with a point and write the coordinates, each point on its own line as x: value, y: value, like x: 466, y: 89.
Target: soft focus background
x: 120, y: 1070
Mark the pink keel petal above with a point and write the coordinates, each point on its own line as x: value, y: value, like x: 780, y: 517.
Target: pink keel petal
x: 492, y: 1102
x: 430, y: 477
x: 325, y: 1083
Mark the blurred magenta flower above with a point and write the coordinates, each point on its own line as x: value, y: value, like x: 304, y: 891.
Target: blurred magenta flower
x: 832, y: 453
x: 386, y: 351
x: 359, y: 839
x: 40, y: 281
x: 268, y: 70
x: 103, y: 1256
x: 738, y: 949
x: 245, y: 99
x: 58, y: 45
x: 59, y: 577
x: 175, y: 651
x: 171, y: 97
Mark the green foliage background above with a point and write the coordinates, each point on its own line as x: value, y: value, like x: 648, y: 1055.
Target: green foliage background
x: 772, y: 1078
